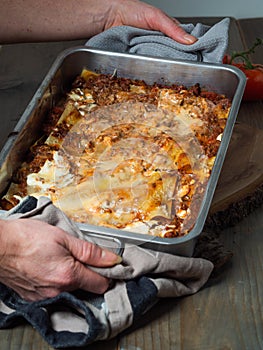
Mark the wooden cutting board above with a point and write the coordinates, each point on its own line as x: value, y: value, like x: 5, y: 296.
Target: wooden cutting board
x: 240, y: 187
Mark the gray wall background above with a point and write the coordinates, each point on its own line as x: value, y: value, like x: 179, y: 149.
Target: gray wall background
x: 222, y: 8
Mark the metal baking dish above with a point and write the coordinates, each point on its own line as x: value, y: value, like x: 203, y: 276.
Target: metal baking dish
x: 219, y: 78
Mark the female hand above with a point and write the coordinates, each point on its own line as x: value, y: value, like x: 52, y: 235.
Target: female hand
x: 38, y: 260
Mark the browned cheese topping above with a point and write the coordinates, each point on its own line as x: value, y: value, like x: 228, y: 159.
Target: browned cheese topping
x: 123, y: 154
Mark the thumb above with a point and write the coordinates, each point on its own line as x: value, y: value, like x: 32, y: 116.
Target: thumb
x: 90, y: 253
x: 173, y: 29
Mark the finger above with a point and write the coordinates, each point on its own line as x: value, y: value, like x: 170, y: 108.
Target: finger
x: 171, y: 27
x: 91, y: 254
x: 89, y: 280
x: 84, y: 278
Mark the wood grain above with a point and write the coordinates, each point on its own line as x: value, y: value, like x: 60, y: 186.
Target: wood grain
x: 242, y: 171
x: 227, y: 313
x: 252, y: 113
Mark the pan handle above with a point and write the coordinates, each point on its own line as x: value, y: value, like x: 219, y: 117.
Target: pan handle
x: 110, y: 243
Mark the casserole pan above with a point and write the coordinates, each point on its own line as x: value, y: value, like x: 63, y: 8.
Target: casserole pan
x: 221, y: 79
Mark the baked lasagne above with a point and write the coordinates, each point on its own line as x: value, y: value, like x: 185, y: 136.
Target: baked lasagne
x: 120, y: 153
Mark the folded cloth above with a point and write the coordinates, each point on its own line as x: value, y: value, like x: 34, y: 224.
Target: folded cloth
x: 80, y: 318
x: 210, y: 47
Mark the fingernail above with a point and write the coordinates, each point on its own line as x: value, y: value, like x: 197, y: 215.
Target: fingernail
x: 111, y: 257
x: 118, y: 259
x: 190, y: 38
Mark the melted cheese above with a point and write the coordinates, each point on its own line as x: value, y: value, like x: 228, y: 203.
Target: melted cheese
x: 130, y: 165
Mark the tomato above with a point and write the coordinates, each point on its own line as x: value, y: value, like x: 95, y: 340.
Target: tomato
x: 254, y: 72
x: 254, y: 85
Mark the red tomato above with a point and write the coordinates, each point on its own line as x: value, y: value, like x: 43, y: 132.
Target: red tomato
x: 254, y: 86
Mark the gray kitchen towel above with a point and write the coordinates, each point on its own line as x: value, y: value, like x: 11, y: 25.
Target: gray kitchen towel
x: 80, y: 318
x: 210, y: 47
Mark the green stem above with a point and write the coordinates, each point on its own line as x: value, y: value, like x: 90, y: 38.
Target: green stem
x: 244, y: 55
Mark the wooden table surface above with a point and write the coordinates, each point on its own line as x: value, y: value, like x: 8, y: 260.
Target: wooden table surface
x: 228, y: 313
